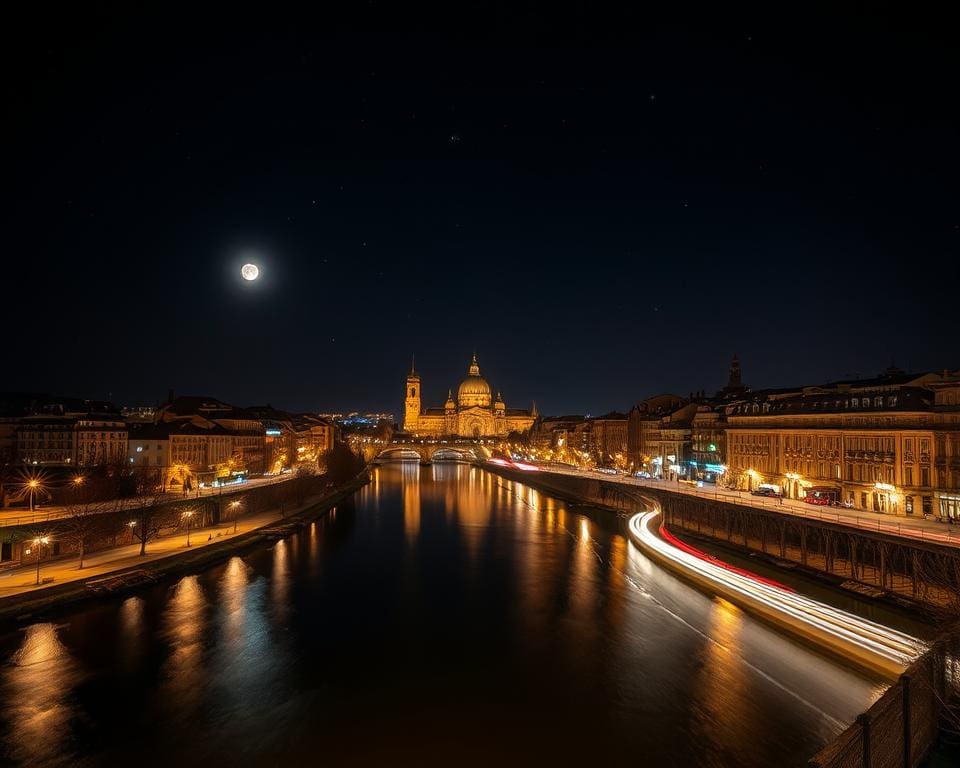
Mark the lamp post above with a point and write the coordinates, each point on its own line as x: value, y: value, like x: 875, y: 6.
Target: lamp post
x: 32, y: 484
x: 38, y: 543
x: 133, y: 525
x: 188, y: 514
x: 235, y: 506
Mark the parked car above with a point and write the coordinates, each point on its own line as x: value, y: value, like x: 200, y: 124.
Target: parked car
x: 768, y: 492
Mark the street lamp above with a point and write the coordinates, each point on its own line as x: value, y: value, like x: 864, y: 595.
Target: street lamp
x: 235, y: 506
x: 188, y: 515
x: 39, y: 542
x: 133, y: 525
x: 33, y: 484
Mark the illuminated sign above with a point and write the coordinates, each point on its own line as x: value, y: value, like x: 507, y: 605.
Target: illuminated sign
x: 718, y: 468
x: 712, y: 447
x: 273, y: 432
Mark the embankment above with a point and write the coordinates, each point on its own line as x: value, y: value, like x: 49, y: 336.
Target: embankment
x: 31, y: 606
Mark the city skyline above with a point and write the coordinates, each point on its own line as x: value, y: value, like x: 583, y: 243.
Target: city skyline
x: 434, y: 392
x: 635, y: 194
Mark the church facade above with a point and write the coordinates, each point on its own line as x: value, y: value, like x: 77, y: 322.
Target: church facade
x: 475, y: 413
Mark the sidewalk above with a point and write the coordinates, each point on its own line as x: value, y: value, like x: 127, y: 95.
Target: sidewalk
x: 21, y: 579
x: 23, y: 516
x: 897, y: 525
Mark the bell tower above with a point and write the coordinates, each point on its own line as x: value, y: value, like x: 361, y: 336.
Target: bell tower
x: 411, y: 409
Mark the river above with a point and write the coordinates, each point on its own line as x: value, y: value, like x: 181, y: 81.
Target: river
x: 443, y: 616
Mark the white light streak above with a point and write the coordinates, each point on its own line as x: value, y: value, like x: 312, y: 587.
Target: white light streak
x: 857, y: 640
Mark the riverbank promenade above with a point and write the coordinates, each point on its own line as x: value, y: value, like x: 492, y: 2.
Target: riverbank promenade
x: 22, y: 579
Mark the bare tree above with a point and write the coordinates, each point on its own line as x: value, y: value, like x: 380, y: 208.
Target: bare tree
x: 144, y: 507
x: 85, y: 522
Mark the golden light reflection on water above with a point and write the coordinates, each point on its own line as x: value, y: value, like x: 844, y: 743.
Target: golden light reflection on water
x: 131, y: 640
x: 410, y: 488
x: 281, y: 578
x: 721, y: 684
x: 36, y: 687
x: 313, y: 556
x: 233, y: 599
x: 616, y: 581
x: 583, y: 586
x: 183, y: 625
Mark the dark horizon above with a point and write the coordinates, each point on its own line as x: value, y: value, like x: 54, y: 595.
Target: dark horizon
x: 603, y: 205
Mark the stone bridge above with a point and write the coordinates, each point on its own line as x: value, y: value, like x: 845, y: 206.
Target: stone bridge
x: 427, y: 451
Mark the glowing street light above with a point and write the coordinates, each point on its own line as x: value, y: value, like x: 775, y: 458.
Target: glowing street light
x: 188, y: 515
x: 39, y: 543
x: 235, y: 506
x: 33, y: 485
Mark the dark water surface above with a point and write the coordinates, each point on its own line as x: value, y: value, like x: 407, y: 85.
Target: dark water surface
x: 443, y: 616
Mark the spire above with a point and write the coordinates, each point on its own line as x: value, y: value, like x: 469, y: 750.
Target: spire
x: 413, y: 367
x: 533, y: 411
x: 474, y: 366
x: 735, y: 375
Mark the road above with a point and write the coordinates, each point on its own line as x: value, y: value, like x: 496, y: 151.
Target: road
x: 21, y: 516
x: 912, y: 527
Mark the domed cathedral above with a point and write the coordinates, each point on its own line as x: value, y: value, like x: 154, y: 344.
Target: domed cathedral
x: 475, y: 413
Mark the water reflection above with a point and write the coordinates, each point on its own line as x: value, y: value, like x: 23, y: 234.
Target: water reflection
x: 233, y: 593
x: 411, y: 499
x: 183, y: 626
x: 721, y: 680
x: 281, y: 577
x: 37, y: 708
x: 131, y: 641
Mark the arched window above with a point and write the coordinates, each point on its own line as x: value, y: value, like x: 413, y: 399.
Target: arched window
x: 413, y: 392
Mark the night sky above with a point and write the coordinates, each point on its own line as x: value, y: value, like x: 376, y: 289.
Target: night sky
x: 603, y: 205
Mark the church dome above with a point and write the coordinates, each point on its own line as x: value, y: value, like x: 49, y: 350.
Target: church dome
x: 474, y: 389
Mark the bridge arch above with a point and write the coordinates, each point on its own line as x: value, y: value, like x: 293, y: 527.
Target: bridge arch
x: 430, y: 450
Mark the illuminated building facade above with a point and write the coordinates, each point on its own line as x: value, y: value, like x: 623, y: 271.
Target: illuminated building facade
x: 888, y: 445
x: 72, y: 433
x: 608, y: 439
x: 475, y: 413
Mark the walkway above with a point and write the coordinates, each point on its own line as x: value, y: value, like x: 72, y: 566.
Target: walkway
x: 913, y: 527
x: 23, y: 516
x: 23, y: 578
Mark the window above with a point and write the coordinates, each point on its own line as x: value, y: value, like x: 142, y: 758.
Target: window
x: 908, y: 476
x: 924, y: 476
x: 927, y: 505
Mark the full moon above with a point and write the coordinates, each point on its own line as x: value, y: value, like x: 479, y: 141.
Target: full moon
x: 250, y: 271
